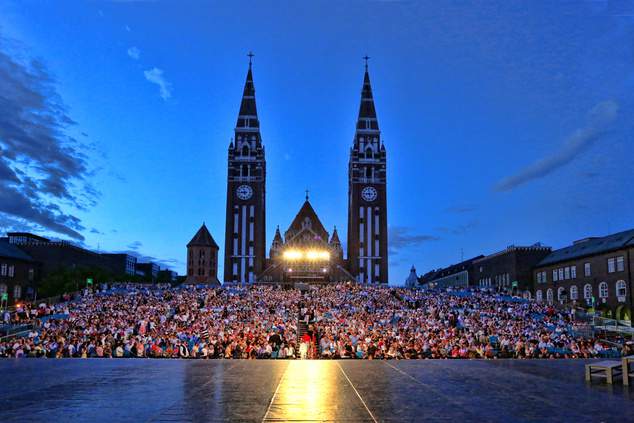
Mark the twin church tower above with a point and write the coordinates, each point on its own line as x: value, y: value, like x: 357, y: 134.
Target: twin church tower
x: 307, y: 252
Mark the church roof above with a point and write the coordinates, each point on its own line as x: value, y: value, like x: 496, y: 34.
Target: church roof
x: 335, y: 237
x: 278, y: 235
x: 247, y: 116
x: 202, y: 238
x: 412, y: 279
x: 367, y: 113
x: 307, y: 212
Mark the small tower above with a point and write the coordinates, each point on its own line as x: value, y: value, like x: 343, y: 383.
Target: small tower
x: 202, y: 259
x: 276, y: 245
x: 412, y: 279
x: 335, y: 244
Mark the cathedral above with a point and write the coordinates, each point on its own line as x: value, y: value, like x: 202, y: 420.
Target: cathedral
x: 306, y: 252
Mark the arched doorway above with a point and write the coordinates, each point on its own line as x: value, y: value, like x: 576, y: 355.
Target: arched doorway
x: 623, y: 312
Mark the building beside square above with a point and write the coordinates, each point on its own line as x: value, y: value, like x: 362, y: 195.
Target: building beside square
x: 594, y: 273
x: 18, y: 274
x: 510, y: 270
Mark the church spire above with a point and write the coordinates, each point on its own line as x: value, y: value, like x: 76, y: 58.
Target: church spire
x: 367, y: 121
x: 248, y: 115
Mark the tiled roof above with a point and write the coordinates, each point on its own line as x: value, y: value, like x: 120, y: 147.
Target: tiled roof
x: 590, y: 246
x: 11, y: 251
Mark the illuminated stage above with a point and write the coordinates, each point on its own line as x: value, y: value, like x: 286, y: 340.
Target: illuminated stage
x: 145, y: 390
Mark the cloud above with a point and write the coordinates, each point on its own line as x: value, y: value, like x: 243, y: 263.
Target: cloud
x: 401, y: 237
x: 599, y: 119
x: 96, y: 231
x: 41, y: 167
x: 155, y: 76
x: 460, y: 209
x: 459, y: 229
x: 134, y: 53
x: 135, y: 245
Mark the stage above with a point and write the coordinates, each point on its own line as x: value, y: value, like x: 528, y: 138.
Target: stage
x: 146, y: 390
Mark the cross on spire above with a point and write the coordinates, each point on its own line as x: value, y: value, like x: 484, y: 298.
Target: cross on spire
x: 366, y: 58
x: 307, y: 195
x: 250, y: 54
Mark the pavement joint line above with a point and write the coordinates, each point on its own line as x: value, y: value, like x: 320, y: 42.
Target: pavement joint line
x: 357, y: 392
x: 204, y: 385
x: 425, y: 385
x: 268, y: 409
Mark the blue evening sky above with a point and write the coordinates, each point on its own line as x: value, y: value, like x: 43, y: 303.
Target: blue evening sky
x: 505, y: 122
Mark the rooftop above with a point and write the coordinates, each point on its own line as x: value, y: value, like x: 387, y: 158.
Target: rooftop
x: 590, y: 246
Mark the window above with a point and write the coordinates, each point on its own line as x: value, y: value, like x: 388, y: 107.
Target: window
x: 574, y: 293
x: 17, y: 292
x: 11, y: 271
x: 567, y: 273
x: 587, y: 270
x: 3, y: 288
x: 31, y: 274
x: 549, y: 296
x: 573, y: 272
x: 611, y: 265
x: 538, y: 296
x: 620, y: 264
x: 561, y: 294
x: 621, y: 289
x: 603, y: 290
x: 3, y: 270
x: 587, y: 291
x: 555, y: 278
x: 561, y: 273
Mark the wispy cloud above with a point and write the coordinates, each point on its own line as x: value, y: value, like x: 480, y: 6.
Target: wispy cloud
x: 134, y: 53
x: 135, y: 245
x: 41, y: 167
x: 403, y: 237
x: 598, y: 120
x: 461, y: 209
x: 155, y: 76
x: 459, y: 229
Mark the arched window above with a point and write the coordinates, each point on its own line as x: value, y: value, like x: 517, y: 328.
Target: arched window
x: 245, y: 150
x: 621, y: 289
x: 587, y: 291
x: 17, y: 292
x: 549, y: 296
x: 603, y: 290
x: 369, y: 153
x: 538, y: 295
x: 574, y: 292
x: 561, y: 293
x: 3, y: 288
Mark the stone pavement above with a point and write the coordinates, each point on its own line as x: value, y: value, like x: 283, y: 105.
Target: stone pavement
x: 143, y: 390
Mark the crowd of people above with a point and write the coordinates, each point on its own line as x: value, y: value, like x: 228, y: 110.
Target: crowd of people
x: 257, y: 322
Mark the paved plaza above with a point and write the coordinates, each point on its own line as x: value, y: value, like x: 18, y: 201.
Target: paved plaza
x: 145, y: 390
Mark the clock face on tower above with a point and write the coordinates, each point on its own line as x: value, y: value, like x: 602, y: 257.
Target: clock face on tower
x: 244, y: 192
x: 369, y: 194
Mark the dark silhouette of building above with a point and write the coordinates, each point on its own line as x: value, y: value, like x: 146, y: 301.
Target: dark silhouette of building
x: 57, y: 255
x: 594, y: 272
x: 459, y: 275
x: 148, y: 270
x: 121, y: 263
x: 510, y: 270
x: 202, y: 259
x: 19, y: 273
